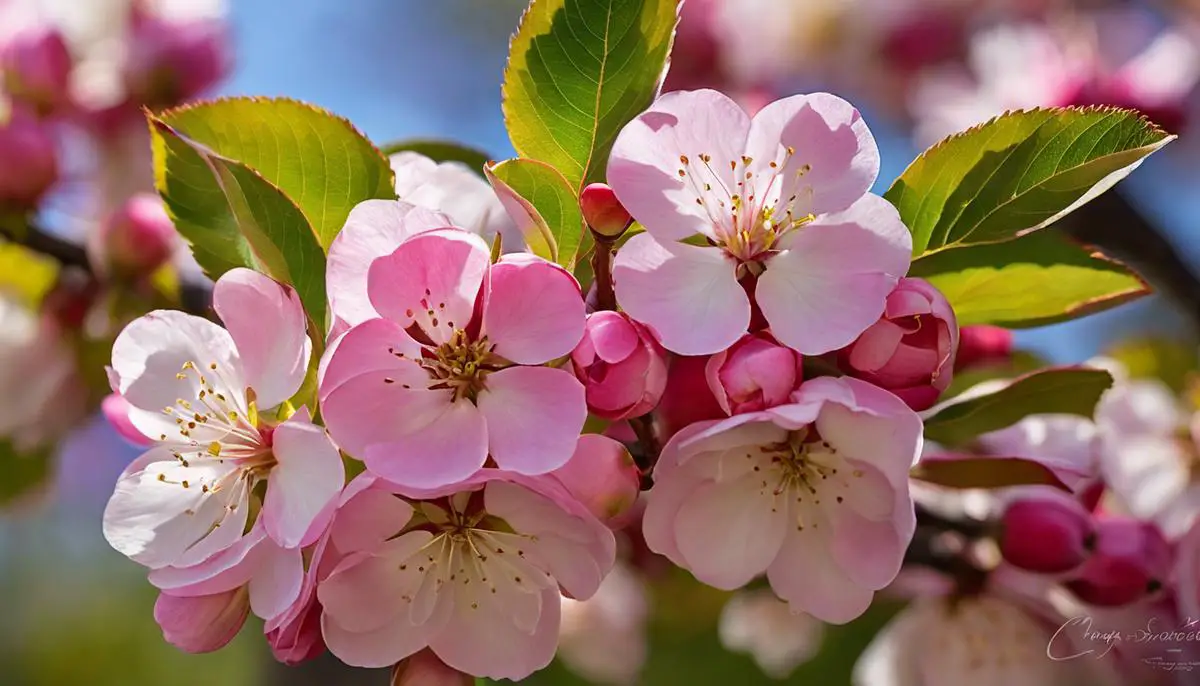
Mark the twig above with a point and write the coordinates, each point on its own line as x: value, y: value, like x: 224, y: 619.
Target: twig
x: 606, y: 297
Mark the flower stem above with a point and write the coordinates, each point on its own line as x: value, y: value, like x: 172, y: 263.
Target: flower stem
x: 606, y: 297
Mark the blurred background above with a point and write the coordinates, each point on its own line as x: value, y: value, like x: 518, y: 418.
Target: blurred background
x: 77, y: 612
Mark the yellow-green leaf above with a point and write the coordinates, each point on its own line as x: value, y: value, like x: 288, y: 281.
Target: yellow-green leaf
x: 545, y: 209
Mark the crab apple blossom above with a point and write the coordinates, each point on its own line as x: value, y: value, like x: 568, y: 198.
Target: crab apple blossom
x: 453, y: 371
x: 135, y: 240
x: 621, y: 365
x: 457, y: 191
x: 687, y: 398
x: 813, y: 493
x: 910, y: 350
x: 1047, y: 531
x: 474, y: 573
x: 173, y: 60
x: 115, y: 409
x: 202, y: 392
x: 30, y: 157
x: 604, y: 638
x: 758, y: 623
x: 202, y: 624
x: 1132, y: 560
x: 781, y: 205
x: 603, y: 477
x: 753, y: 374
x: 35, y: 67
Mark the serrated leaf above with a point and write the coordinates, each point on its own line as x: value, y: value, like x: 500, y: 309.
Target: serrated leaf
x: 232, y: 217
x: 442, y: 151
x: 1018, y: 172
x: 984, y: 472
x: 318, y: 160
x: 22, y: 472
x: 543, y: 206
x: 1037, y: 279
x: 578, y: 71
x: 1063, y: 390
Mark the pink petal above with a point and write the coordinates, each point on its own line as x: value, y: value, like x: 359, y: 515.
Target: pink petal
x: 834, y: 275
x: 374, y: 228
x: 876, y: 346
x: 204, y: 623
x: 877, y: 428
x: 672, y: 488
x: 534, y: 312
x: 116, y: 410
x: 611, y: 335
x: 269, y: 327
x: 483, y: 643
x: 805, y: 575
x: 382, y: 647
x: 226, y: 570
x: 277, y: 579
x: 689, y: 295
x: 870, y: 550
x: 308, y: 476
x: 643, y: 169
x: 367, y: 591
x: 374, y: 345
x: 835, y: 160
x: 534, y: 416
x: 730, y: 532
x: 367, y: 520
x: 452, y: 446
x: 431, y: 280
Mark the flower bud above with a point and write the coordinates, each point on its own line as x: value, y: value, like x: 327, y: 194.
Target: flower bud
x: 687, y: 399
x: 621, y: 365
x: 753, y: 374
x: 426, y: 669
x: 30, y: 158
x: 173, y: 61
x: 981, y: 344
x: 603, y: 212
x: 602, y: 476
x: 135, y: 240
x: 910, y: 350
x: 1132, y: 560
x: 300, y: 640
x: 35, y: 68
x: 1049, y: 533
x: 202, y: 624
x: 116, y: 410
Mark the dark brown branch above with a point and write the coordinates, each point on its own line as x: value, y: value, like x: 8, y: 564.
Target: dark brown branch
x: 606, y: 297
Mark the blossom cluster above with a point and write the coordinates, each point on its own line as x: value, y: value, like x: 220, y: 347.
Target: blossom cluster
x: 441, y: 494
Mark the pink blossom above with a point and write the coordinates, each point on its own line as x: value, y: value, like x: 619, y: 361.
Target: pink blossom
x: 135, y: 240
x: 457, y: 191
x: 1046, y: 531
x: 814, y: 493
x: 758, y: 623
x: 687, y: 399
x: 425, y: 669
x: 205, y: 395
x: 754, y: 374
x: 171, y: 61
x: 116, y: 410
x: 621, y: 365
x: 452, y: 372
x: 30, y: 160
x: 981, y: 344
x: 202, y: 624
x: 603, y: 638
x: 910, y: 350
x: 475, y: 576
x: 603, y: 477
x: 1132, y: 560
x: 695, y: 164
x: 35, y: 67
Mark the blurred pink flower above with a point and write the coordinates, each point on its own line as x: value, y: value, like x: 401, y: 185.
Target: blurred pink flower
x: 603, y: 638
x: 754, y: 374
x: 35, y: 68
x: 621, y: 365
x: 135, y: 240
x: 695, y: 164
x: 758, y: 623
x: 814, y: 493
x: 1045, y: 530
x: 452, y: 372
x: 30, y: 156
x: 1131, y: 562
x: 170, y: 61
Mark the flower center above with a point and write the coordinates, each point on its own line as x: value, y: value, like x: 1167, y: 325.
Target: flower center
x: 808, y: 473
x: 461, y: 364
x: 746, y: 209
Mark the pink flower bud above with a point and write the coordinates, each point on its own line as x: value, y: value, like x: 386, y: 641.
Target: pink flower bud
x: 426, y: 669
x: 603, y: 212
x: 135, y: 240
x: 753, y: 374
x: 30, y: 157
x: 1049, y: 533
x: 1132, y: 560
x: 116, y: 410
x: 602, y: 476
x: 202, y: 624
x: 298, y: 641
x: 981, y: 344
x: 687, y: 399
x: 910, y: 350
x: 170, y: 62
x: 622, y: 366
x: 35, y: 67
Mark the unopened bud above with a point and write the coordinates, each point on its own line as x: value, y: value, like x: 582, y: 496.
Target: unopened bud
x: 173, y: 61
x: 602, y: 476
x: 30, y: 159
x: 136, y: 240
x: 603, y: 212
x: 1049, y: 534
x: 982, y: 344
x: 35, y: 66
x: 754, y: 374
x: 1132, y: 560
x: 426, y: 669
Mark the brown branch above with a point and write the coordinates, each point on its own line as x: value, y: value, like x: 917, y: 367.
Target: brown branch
x: 606, y: 297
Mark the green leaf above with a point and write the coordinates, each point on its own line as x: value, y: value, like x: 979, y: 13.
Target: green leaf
x: 1018, y: 172
x: 1172, y: 362
x: 25, y: 274
x: 22, y: 472
x: 1063, y: 390
x: 984, y: 472
x: 1020, y: 362
x: 1040, y: 278
x: 543, y: 206
x: 232, y: 217
x: 578, y: 71
x: 318, y: 160
x: 442, y: 151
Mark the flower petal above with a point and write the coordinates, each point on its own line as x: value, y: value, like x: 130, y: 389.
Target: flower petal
x: 277, y: 579
x: 644, y: 167
x: 456, y: 190
x: 447, y: 448
x: 806, y: 576
x: 534, y: 311
x: 730, y: 532
x: 833, y: 277
x: 382, y: 647
x: 201, y: 624
x: 689, y: 295
x: 269, y: 328
x: 375, y: 345
x: 534, y: 416
x: 307, y: 477
x: 482, y: 640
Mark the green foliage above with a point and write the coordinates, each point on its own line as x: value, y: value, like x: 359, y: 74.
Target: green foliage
x: 1174, y: 363
x: 578, y: 71
x: 442, y: 151
x: 25, y: 274
x: 1020, y: 362
x: 316, y: 159
x: 1018, y: 172
x: 1062, y: 390
x: 544, y: 206
x: 1037, y: 279
x: 22, y: 472
x: 985, y: 472
x: 233, y: 217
